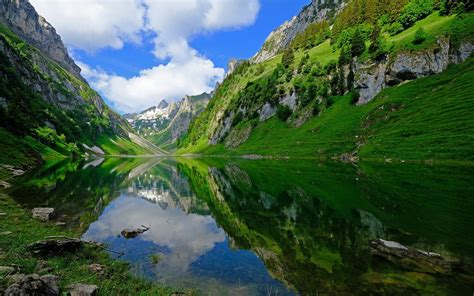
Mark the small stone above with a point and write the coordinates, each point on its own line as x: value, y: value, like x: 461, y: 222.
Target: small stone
x: 6, y: 233
x: 96, y: 268
x: 43, y: 214
x: 3, y: 214
x: 4, y: 184
x: 43, y: 267
x: 60, y: 224
x: 83, y: 290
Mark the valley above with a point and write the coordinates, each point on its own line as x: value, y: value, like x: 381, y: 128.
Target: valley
x: 337, y: 159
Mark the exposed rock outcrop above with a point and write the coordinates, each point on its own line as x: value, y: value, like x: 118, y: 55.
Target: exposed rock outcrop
x: 43, y: 214
x: 372, y: 79
x: 21, y: 18
x: 280, y: 38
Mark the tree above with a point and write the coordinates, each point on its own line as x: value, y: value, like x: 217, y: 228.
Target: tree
x: 420, y: 36
x: 357, y: 43
x: 283, y: 112
x: 377, y: 44
x: 288, y: 57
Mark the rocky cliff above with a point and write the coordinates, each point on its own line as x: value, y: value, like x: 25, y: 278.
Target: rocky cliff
x: 280, y: 38
x: 42, y: 93
x: 23, y: 20
x: 372, y: 78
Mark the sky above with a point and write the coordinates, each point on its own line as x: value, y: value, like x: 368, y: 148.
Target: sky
x: 137, y: 52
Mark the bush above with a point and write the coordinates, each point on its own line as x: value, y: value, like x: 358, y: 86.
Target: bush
x: 420, y: 36
x: 357, y: 44
x: 395, y: 28
x: 237, y: 118
x: 283, y: 112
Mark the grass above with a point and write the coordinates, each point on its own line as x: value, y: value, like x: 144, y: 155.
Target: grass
x: 429, y: 118
x: 71, y: 268
x: 120, y: 146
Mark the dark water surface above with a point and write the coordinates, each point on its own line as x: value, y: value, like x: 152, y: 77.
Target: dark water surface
x: 240, y: 227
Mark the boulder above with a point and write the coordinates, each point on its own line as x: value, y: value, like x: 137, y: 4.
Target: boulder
x: 413, y: 259
x: 83, y: 290
x: 132, y: 233
x: 43, y: 214
x: 55, y: 246
x: 96, y: 268
x: 34, y: 284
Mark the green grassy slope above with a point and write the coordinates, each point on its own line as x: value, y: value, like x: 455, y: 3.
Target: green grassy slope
x: 342, y: 128
x: 430, y: 118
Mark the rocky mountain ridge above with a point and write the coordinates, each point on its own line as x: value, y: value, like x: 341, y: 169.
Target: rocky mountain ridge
x: 21, y: 17
x: 43, y: 95
x: 279, y: 39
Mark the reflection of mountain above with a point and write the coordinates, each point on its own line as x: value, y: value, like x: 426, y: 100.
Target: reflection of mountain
x: 312, y: 225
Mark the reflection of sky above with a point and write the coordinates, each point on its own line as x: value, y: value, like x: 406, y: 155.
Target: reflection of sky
x: 193, y: 250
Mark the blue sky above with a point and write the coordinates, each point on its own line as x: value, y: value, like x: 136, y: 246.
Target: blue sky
x: 137, y: 52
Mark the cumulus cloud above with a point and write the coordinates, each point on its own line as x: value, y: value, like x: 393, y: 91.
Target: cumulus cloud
x: 94, y: 24
x: 169, y: 81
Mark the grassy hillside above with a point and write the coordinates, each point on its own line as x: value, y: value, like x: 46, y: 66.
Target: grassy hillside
x: 337, y: 126
x: 430, y: 118
x: 47, y: 113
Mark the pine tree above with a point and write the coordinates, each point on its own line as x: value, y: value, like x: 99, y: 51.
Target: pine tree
x: 357, y: 44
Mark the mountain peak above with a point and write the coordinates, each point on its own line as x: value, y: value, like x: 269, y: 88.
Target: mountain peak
x: 163, y: 104
x: 21, y: 17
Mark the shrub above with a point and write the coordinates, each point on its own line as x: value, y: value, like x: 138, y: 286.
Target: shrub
x: 395, y: 28
x: 288, y: 58
x: 283, y: 112
x: 237, y: 118
x: 420, y: 36
x: 357, y: 44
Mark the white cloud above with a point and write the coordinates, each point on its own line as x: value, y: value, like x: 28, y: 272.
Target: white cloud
x: 95, y: 24
x: 170, y: 81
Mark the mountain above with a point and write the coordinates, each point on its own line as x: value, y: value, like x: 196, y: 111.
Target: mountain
x: 350, y: 79
x: 47, y: 110
x: 165, y: 123
x: 280, y: 38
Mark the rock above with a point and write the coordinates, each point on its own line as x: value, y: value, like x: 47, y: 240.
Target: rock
x: 132, y: 233
x: 55, y: 246
x: 4, y: 184
x: 96, y: 268
x: 83, y: 290
x: 22, y: 18
x: 60, y: 224
x: 232, y: 66
x: 371, y: 79
x: 413, y: 259
x: 34, y: 284
x: 267, y: 112
x: 290, y: 101
x: 3, y: 214
x: 6, y: 233
x: 43, y: 214
x: 280, y: 38
x: 7, y: 270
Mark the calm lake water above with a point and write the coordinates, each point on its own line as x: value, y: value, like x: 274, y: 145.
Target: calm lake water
x: 241, y: 227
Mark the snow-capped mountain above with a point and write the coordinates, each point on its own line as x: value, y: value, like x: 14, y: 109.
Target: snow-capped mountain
x: 167, y: 122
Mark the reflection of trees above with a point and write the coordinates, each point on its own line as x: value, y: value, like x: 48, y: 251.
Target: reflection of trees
x: 311, y: 225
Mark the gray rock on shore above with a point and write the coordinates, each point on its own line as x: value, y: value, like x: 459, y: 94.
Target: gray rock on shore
x: 43, y: 214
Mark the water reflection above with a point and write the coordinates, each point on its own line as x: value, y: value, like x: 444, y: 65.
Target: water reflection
x: 269, y: 227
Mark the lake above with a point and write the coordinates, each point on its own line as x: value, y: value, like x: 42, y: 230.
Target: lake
x: 265, y: 227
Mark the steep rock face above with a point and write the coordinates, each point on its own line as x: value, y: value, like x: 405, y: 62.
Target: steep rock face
x: 372, y: 79
x: 21, y: 18
x: 317, y: 11
x: 232, y: 66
